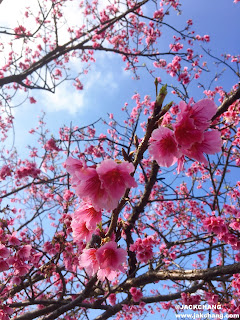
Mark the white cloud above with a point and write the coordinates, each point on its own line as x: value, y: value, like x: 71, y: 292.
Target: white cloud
x: 66, y: 98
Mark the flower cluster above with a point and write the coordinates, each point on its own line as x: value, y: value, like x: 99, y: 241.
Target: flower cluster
x: 14, y: 257
x: 5, y: 171
x: 84, y: 222
x: 99, y: 187
x: 136, y: 294
x: 51, y: 145
x: 5, y: 312
x: 102, y: 185
x: 29, y: 170
x: 106, y: 261
x: 190, y: 136
x: 216, y: 225
x: 220, y: 228
x: 211, y: 298
x: 143, y: 248
x: 236, y: 282
x: 187, y: 299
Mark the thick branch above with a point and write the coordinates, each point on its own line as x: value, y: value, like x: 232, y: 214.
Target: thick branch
x: 190, y: 275
x: 227, y: 103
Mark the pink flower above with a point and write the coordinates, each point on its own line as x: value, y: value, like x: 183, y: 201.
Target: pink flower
x: 180, y: 164
x: 21, y: 268
x: 73, y: 166
x: 211, y: 298
x: 81, y: 230
x: 144, y: 248
x: 90, y: 189
x: 13, y: 240
x: 104, y: 186
x: 32, y: 100
x: 187, y: 133
x: 68, y: 195
x: 88, y: 260
x: 30, y: 170
x: 115, y: 179
x: 16, y: 280
x: 5, y: 311
x: 158, y: 14
x: 112, y: 299
x: 4, y: 251
x: 24, y: 252
x: 3, y: 265
x: 210, y: 144
x: 235, y: 225
x: 87, y: 212
x: 136, y: 294
x: 164, y: 147
x: 110, y: 259
x: 5, y: 171
x: 192, y: 121
x: 190, y: 299
x: 216, y: 225
x: 51, y: 145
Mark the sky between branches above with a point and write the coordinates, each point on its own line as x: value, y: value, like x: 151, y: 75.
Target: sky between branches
x: 107, y: 86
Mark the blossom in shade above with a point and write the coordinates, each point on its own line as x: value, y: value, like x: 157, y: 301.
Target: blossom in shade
x: 136, y: 294
x: 211, y: 298
x: 210, y: 144
x: 235, y: 225
x: 24, y: 252
x: 88, y: 260
x: 13, y: 240
x: 188, y: 299
x: 163, y: 147
x: 21, y: 268
x: 5, y: 311
x: 4, y: 251
x: 3, y: 265
x: 110, y: 259
x: 112, y: 299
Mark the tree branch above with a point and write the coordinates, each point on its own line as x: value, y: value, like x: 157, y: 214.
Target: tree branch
x: 227, y: 103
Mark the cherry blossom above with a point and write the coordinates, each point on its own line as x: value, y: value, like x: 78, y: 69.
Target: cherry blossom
x: 88, y: 260
x: 104, y: 185
x: 210, y: 144
x: 164, y: 147
x: 136, y: 294
x: 115, y: 179
x: 81, y: 228
x: 110, y: 259
x: 93, y: 216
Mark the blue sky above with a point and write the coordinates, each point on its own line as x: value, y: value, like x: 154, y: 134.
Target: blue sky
x: 107, y: 86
